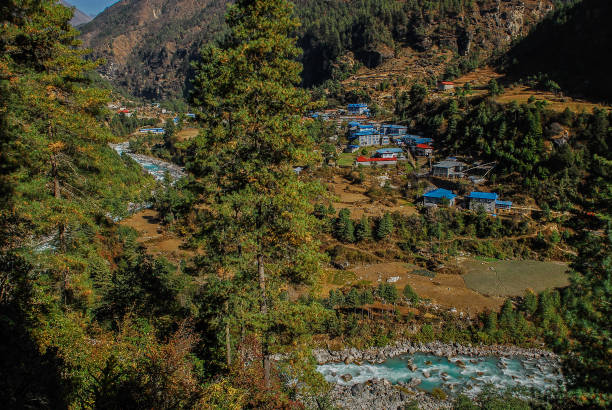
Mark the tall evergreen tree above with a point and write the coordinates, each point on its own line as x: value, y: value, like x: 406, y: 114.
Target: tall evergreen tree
x: 385, y: 226
x: 363, y: 230
x: 588, y: 350
x: 258, y: 223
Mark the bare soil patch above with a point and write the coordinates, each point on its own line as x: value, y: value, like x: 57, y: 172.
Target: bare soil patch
x: 354, y: 198
x: 445, y: 290
x: 187, y: 133
x: 153, y: 236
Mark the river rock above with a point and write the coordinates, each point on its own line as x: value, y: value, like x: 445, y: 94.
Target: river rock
x: 426, y: 374
x: 346, y: 377
x: 413, y: 367
x: 460, y: 364
x: 414, y: 382
x: 357, y: 389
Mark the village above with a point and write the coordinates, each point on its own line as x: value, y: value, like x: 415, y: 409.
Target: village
x: 371, y: 143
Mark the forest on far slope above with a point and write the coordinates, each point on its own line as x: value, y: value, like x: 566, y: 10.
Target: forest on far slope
x: 571, y: 46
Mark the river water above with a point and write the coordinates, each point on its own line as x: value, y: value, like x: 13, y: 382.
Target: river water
x: 468, y: 376
x: 154, y: 166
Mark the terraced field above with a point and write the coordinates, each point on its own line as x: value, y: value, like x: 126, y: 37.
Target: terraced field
x: 512, y: 278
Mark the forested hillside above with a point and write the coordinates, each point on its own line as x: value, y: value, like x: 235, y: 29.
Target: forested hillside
x: 580, y: 65
x: 148, y: 44
x: 270, y: 274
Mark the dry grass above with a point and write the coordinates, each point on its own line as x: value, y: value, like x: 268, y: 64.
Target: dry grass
x: 187, y: 133
x: 513, y: 278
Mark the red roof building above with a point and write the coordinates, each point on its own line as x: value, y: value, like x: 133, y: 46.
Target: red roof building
x: 446, y: 85
x: 361, y: 160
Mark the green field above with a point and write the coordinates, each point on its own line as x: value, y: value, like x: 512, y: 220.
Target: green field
x: 346, y: 159
x: 512, y: 278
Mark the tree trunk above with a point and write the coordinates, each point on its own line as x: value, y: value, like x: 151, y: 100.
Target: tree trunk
x: 57, y: 193
x: 264, y: 312
x: 228, y: 344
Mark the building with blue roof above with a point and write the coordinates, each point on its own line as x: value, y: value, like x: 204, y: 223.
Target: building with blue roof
x: 393, y: 130
x: 439, y: 196
x: 365, y: 138
x: 351, y: 148
x: 152, y: 130
x: 389, y: 152
x: 414, y: 140
x: 358, y: 109
x: 503, y: 205
x: 485, y: 200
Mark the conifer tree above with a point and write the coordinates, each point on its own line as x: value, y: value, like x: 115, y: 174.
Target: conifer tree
x: 345, y: 229
x: 588, y: 350
x: 363, y: 230
x: 258, y: 223
x: 385, y: 227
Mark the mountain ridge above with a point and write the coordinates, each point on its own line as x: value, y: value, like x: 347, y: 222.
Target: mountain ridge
x: 148, y: 44
x: 79, y: 17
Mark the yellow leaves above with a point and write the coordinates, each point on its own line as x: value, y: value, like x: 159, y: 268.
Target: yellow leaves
x: 56, y: 146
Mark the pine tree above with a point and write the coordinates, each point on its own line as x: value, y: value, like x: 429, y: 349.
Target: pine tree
x: 385, y: 227
x: 588, y: 349
x: 410, y: 294
x: 259, y: 213
x: 345, y: 229
x: 363, y: 230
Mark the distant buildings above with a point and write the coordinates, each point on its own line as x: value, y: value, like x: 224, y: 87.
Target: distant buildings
x: 152, y: 130
x: 393, y: 130
x: 485, y: 200
x: 365, y: 138
x: 390, y: 153
x: 446, y: 85
x: 503, y: 205
x: 358, y: 109
x: 364, y: 161
x: 449, y: 168
x: 423, y: 150
x: 439, y: 197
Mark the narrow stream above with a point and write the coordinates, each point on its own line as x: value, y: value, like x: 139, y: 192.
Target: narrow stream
x: 462, y: 374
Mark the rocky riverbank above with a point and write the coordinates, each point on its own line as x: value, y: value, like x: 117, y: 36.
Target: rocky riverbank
x: 381, y: 394
x: 380, y: 354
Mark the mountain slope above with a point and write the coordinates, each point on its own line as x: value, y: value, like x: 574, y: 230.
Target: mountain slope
x: 148, y: 43
x: 580, y: 65
x: 79, y: 17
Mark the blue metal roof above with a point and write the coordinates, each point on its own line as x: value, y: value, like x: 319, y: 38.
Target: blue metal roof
x: 359, y: 105
x: 395, y: 126
x: 503, y: 203
x: 352, y: 146
x: 483, y: 195
x: 389, y: 150
x: 440, y: 193
x: 354, y: 124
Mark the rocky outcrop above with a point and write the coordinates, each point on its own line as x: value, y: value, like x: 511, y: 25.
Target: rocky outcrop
x: 379, y: 355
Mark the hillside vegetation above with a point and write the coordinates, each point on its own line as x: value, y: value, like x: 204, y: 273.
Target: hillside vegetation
x: 580, y: 65
x: 148, y: 44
